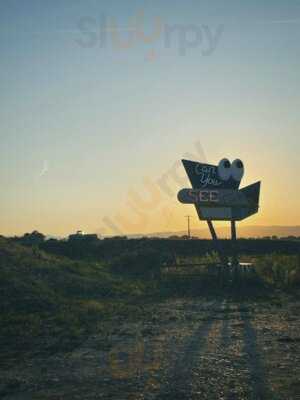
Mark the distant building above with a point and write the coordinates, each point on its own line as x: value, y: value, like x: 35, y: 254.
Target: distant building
x: 81, y: 236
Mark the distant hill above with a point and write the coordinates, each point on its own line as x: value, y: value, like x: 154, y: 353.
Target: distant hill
x: 243, y: 231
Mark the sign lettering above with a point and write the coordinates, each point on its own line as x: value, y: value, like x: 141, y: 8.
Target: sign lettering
x: 199, y: 196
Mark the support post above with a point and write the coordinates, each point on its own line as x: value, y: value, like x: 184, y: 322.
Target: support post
x: 216, y: 242
x: 234, y: 261
x: 233, y: 241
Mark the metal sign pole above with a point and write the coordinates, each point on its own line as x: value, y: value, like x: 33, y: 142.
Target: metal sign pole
x: 216, y: 242
x: 233, y: 241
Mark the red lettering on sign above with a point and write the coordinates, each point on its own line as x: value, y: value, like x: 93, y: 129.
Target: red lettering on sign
x: 193, y: 195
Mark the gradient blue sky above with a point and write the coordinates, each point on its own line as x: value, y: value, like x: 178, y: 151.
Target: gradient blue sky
x: 80, y: 127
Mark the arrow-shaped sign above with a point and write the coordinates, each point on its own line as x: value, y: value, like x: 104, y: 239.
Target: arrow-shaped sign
x: 223, y: 203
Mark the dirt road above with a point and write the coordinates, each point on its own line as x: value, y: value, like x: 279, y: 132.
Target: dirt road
x: 182, y: 349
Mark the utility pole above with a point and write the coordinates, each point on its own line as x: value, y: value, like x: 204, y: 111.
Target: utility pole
x: 188, y: 223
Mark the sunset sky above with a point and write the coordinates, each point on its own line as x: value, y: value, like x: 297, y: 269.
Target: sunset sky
x: 99, y: 97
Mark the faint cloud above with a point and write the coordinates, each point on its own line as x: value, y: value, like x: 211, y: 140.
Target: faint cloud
x: 282, y: 21
x: 44, y: 169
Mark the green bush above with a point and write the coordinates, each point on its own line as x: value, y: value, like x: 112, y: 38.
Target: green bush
x: 279, y: 270
x: 146, y: 263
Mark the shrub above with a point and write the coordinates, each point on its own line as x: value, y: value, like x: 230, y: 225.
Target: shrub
x: 279, y: 270
x: 146, y: 263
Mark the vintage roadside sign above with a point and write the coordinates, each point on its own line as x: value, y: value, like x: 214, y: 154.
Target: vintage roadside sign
x: 215, y: 191
x: 217, y: 196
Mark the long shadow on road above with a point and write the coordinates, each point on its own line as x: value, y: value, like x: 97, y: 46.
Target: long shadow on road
x: 260, y: 390
x: 178, y: 384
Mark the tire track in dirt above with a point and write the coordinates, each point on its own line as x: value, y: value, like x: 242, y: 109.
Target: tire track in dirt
x: 168, y: 349
x: 213, y: 376
x: 260, y: 390
x: 231, y: 365
x: 221, y: 360
x: 177, y: 383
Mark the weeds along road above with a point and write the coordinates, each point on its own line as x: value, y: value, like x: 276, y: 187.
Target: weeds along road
x: 182, y: 349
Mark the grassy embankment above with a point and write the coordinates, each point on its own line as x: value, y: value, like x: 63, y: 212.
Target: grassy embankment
x: 51, y: 303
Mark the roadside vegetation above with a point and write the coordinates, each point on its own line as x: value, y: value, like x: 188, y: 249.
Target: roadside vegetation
x: 52, y: 303
x: 53, y: 296
x: 278, y: 270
